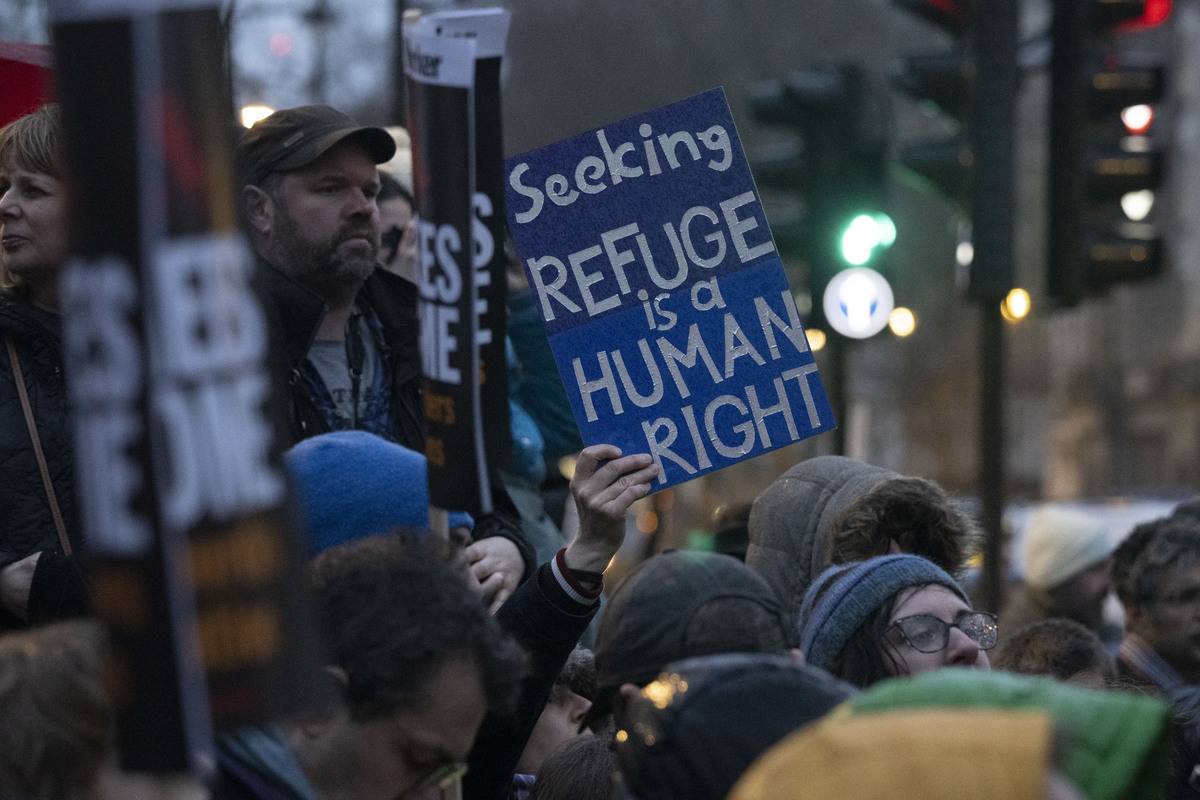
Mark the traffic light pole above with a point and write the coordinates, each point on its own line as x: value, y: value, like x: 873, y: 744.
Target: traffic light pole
x: 839, y: 347
x: 995, y: 33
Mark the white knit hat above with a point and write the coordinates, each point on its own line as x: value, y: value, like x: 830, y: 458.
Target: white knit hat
x: 1060, y: 543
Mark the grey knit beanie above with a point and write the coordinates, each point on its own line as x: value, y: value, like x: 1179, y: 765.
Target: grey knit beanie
x: 830, y: 616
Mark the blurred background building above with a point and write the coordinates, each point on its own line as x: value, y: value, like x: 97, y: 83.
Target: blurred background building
x: 1102, y: 399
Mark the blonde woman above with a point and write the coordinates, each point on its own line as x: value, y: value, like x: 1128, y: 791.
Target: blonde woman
x: 39, y: 578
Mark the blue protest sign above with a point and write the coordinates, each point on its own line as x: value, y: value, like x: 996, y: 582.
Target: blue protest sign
x: 664, y: 298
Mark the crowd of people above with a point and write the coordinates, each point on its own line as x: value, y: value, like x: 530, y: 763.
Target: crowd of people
x: 829, y: 646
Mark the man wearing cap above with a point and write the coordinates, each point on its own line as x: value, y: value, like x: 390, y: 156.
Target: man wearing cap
x: 346, y: 330
x: 1067, y: 556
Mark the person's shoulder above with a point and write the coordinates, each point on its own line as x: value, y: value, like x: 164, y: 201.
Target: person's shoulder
x: 383, y: 281
x: 392, y: 298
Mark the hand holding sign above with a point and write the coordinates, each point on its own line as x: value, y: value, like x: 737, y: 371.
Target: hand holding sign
x: 604, y: 487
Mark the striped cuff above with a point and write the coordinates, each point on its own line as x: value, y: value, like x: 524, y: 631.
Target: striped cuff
x: 569, y: 585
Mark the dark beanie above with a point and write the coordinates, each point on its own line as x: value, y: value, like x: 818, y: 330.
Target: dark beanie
x: 645, y: 623
x: 695, y: 729
x: 843, y: 597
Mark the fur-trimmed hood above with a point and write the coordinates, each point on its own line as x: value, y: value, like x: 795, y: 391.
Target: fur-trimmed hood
x: 792, y: 521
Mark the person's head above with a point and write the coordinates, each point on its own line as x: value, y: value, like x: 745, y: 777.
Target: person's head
x: 891, y: 616
x: 418, y: 661
x: 730, y: 534
x: 678, y: 605
x: 693, y: 730
x: 1057, y: 648
x: 791, y: 523
x: 398, y: 242
x: 927, y: 753
x: 1066, y: 554
x: 57, y: 729
x: 905, y: 515
x: 1109, y: 744
x: 309, y: 196
x: 352, y: 484
x: 33, y: 204
x: 582, y: 769
x: 563, y: 715
x: 1157, y: 574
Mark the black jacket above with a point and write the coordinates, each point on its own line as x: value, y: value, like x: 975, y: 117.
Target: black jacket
x: 547, y: 624
x: 295, y: 313
x: 58, y: 589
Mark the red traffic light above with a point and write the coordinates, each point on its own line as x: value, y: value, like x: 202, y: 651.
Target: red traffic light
x: 1154, y: 12
x: 949, y: 15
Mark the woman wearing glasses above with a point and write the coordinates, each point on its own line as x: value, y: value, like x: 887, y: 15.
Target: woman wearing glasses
x: 891, y: 616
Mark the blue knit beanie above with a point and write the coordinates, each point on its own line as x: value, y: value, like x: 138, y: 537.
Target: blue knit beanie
x: 352, y: 484
x: 842, y: 598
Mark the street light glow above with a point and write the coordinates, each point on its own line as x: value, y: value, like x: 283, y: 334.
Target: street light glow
x: 253, y: 113
x: 902, y: 321
x: 964, y: 254
x: 1137, y: 205
x: 1138, y: 119
x: 1015, y: 307
x: 816, y: 338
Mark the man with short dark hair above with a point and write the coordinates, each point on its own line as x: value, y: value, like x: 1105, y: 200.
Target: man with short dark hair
x: 1156, y: 573
x: 559, y: 721
x: 417, y: 661
x: 1058, y: 648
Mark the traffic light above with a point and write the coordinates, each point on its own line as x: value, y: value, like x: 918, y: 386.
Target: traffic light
x: 941, y: 83
x: 971, y: 86
x: 833, y: 171
x: 1104, y: 165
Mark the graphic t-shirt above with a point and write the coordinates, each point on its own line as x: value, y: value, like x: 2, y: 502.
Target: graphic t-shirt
x: 334, y: 385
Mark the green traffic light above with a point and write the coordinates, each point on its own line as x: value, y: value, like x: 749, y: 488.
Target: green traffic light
x: 865, y: 235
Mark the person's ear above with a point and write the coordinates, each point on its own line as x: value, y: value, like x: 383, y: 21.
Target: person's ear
x: 1135, y: 617
x: 260, y: 209
x: 315, y: 722
x: 578, y: 709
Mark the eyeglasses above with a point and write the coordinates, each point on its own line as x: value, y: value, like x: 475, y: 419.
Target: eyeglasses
x: 926, y: 633
x: 1183, y: 597
x: 441, y: 777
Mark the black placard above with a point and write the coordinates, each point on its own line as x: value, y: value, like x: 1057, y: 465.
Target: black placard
x: 441, y: 112
x: 192, y: 563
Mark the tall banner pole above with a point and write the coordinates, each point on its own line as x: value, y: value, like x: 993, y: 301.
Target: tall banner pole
x: 191, y: 562
x: 488, y: 28
x: 441, y: 124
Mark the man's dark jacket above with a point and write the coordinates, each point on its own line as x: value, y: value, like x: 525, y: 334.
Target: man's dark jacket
x: 294, y: 314
x: 58, y: 589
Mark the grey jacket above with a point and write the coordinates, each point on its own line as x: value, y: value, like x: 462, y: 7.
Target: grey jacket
x: 791, y: 522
